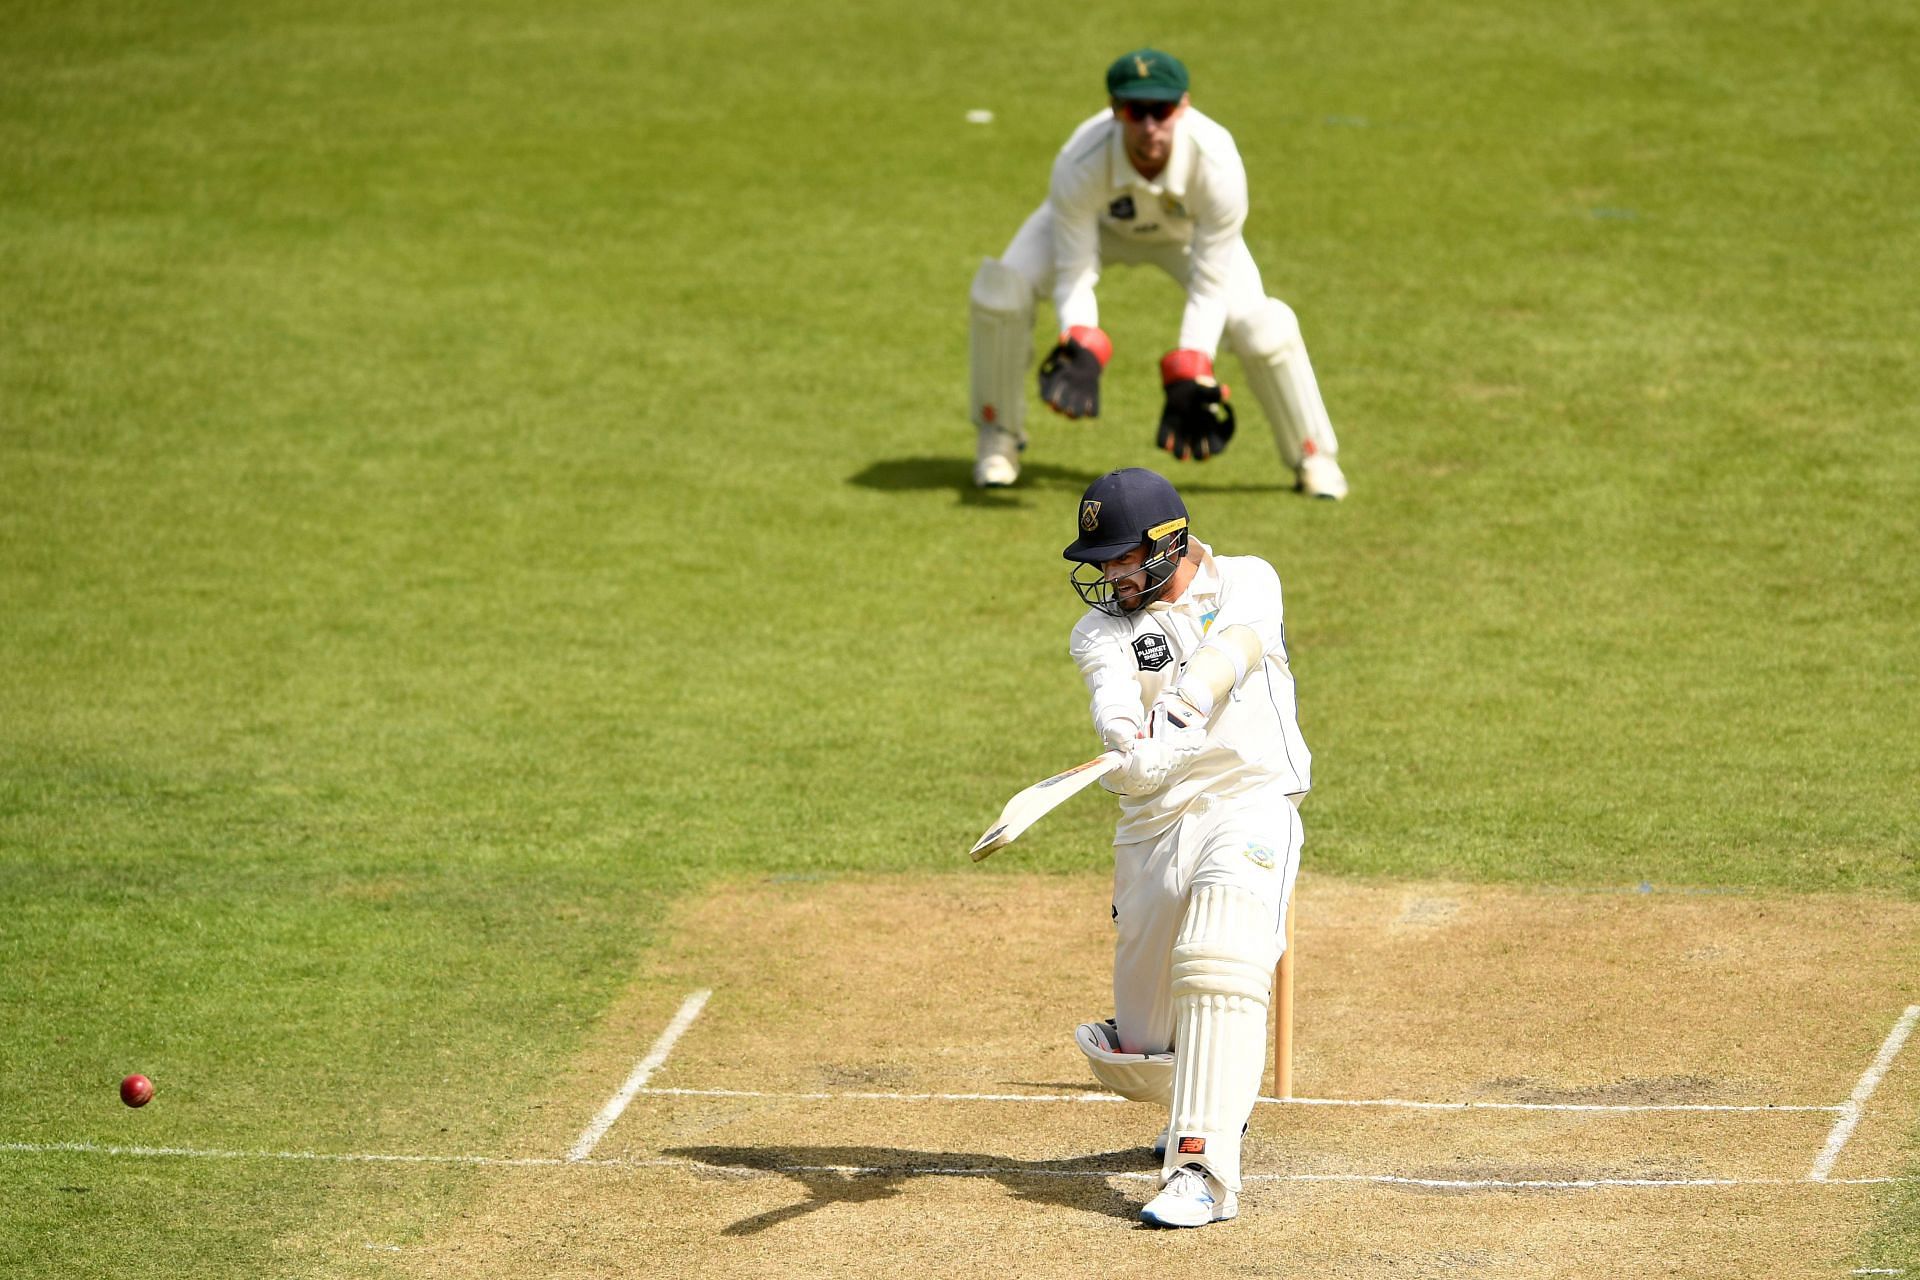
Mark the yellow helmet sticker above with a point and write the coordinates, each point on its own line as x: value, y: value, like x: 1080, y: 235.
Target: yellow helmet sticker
x: 1172, y: 526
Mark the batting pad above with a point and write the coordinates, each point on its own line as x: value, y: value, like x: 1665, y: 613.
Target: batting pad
x: 1222, y: 980
x: 1002, y: 345
x: 1274, y: 357
x: 1138, y: 1077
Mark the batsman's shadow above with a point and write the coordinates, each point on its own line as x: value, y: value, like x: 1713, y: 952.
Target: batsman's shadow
x: 857, y: 1175
x: 899, y: 475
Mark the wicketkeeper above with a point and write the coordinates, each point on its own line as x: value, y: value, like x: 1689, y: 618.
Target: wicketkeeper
x: 1148, y: 180
x: 1186, y: 657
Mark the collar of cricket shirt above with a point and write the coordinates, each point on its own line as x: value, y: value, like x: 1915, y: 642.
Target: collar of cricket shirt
x: 1173, y: 178
x: 1201, y: 593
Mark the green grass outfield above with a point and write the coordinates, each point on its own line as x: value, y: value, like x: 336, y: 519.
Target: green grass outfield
x: 472, y: 473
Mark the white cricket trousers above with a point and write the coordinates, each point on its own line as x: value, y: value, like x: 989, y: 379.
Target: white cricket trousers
x: 1030, y: 253
x: 1251, y: 842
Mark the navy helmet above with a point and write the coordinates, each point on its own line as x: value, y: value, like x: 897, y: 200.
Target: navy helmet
x: 1124, y: 509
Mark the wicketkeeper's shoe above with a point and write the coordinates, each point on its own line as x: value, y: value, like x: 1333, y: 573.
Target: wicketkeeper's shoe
x: 996, y: 458
x: 1320, y: 477
x: 1191, y: 1198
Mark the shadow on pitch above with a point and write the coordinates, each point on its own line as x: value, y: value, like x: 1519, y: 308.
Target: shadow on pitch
x: 858, y: 1175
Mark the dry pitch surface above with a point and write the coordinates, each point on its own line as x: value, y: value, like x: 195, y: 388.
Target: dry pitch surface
x: 883, y: 1080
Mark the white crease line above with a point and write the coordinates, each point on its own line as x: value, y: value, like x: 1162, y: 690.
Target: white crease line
x: 325, y: 1157
x: 1281, y: 1102
x: 636, y: 1080
x: 1856, y: 1105
x: 927, y: 1171
x: 1543, y: 1106
x: 883, y: 1097
x: 1382, y: 1179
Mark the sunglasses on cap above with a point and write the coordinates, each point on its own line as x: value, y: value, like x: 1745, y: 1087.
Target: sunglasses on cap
x: 1137, y: 111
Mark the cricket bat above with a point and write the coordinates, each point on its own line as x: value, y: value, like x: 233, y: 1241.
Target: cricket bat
x: 1040, y: 799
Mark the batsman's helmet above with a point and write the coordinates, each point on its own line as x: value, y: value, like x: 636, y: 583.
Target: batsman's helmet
x: 1124, y: 509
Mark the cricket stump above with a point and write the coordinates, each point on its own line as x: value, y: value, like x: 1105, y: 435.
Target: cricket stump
x: 1283, y: 1016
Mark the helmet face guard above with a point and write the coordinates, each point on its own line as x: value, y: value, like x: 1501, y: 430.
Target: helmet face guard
x: 1166, y: 546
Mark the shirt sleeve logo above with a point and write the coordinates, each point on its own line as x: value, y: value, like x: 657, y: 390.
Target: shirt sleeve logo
x: 1152, y: 652
x: 1121, y: 210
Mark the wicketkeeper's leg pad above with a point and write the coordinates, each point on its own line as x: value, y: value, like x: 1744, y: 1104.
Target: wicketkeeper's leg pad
x: 1223, y: 965
x: 1002, y: 346
x: 1139, y: 1077
x: 1273, y: 356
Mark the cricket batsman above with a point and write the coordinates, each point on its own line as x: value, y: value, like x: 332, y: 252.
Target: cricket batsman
x: 1185, y: 655
x: 1147, y: 180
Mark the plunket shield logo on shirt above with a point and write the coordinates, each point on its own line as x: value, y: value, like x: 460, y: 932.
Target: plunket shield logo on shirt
x: 1152, y: 652
x: 1090, y: 515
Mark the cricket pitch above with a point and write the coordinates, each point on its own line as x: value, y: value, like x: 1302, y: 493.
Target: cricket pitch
x: 1494, y: 1082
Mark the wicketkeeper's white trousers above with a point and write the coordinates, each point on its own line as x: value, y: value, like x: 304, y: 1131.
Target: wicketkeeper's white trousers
x: 1030, y: 253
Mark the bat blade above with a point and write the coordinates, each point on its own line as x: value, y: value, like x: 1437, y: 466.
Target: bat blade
x: 1040, y: 799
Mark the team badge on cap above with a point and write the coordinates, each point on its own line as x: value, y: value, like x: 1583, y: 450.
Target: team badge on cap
x: 1090, y: 515
x: 1147, y: 75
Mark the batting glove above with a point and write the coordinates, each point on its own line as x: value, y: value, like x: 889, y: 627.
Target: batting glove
x: 1145, y: 770
x: 1070, y: 375
x: 1178, y: 720
x: 1197, y: 421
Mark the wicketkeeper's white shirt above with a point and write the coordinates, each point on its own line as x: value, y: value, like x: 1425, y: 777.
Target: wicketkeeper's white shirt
x: 1199, y: 200
x: 1254, y: 745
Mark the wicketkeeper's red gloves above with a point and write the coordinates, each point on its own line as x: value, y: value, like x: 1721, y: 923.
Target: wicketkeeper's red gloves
x: 1070, y: 375
x: 1197, y: 421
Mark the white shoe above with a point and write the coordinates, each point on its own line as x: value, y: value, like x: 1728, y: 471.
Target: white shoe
x: 996, y: 458
x: 1320, y: 477
x: 1191, y: 1198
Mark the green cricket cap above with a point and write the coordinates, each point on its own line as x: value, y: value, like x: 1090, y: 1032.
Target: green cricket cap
x: 1147, y: 75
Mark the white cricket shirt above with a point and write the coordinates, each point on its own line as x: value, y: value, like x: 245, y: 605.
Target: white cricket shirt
x: 1253, y: 742
x: 1199, y: 201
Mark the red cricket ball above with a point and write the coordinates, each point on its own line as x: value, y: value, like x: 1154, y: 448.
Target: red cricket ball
x: 136, y: 1091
